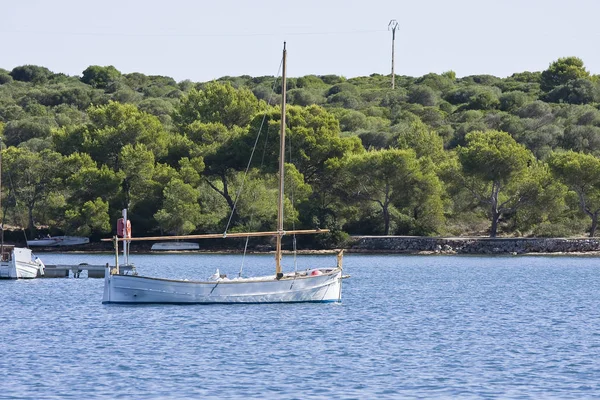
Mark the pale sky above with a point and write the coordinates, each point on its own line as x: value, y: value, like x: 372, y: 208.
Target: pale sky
x: 204, y: 40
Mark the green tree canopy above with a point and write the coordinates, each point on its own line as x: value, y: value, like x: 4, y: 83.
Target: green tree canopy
x: 91, y: 182
x: 217, y: 102
x: 100, y: 77
x: 581, y: 173
x: 31, y: 73
x: 92, y: 217
x: 562, y: 71
x: 181, y: 212
x: 314, y: 134
x: 32, y: 176
x: 494, y: 166
x: 137, y: 165
x: 395, y: 181
x: 22, y: 130
x: 115, y: 125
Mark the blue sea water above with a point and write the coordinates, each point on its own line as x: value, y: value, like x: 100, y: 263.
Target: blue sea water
x: 407, y: 327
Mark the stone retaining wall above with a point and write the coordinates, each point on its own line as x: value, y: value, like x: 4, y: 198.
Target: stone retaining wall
x: 413, y: 244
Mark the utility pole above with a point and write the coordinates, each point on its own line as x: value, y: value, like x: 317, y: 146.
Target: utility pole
x: 392, y: 26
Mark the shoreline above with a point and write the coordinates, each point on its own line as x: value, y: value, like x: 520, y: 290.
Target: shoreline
x: 407, y: 245
x: 324, y: 252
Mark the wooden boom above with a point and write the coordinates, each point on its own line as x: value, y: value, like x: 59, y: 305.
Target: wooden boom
x: 221, y: 235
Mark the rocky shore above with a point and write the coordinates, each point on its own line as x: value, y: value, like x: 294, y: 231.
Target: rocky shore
x: 460, y: 245
x: 398, y: 245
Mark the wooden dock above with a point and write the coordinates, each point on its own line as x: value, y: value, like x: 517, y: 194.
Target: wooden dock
x: 93, y: 271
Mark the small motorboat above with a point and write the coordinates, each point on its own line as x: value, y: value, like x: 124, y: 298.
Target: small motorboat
x: 58, y: 241
x: 19, y: 263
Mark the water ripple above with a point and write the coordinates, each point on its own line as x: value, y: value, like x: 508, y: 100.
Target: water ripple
x: 416, y: 327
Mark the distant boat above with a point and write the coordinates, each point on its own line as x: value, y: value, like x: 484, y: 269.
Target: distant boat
x: 19, y: 263
x: 174, y: 246
x: 318, y: 284
x: 58, y: 241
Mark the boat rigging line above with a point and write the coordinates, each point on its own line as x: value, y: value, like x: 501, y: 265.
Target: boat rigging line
x: 262, y: 161
x: 291, y: 186
x: 237, y: 196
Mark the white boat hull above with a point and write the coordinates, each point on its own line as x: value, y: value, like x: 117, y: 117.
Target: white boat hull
x: 174, y: 246
x: 42, y: 242
x: 20, y: 265
x: 58, y: 241
x: 132, y: 289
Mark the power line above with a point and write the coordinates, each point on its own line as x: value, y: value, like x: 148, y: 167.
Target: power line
x: 146, y: 34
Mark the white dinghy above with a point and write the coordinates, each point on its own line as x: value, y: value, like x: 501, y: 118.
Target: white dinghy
x: 174, y: 246
x: 316, y: 285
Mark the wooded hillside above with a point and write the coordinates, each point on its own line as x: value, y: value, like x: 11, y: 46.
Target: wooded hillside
x: 437, y: 155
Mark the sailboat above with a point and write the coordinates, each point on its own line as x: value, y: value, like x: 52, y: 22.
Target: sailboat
x: 16, y: 262
x: 314, y: 285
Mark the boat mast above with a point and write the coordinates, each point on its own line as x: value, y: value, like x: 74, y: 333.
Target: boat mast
x: 278, y: 272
